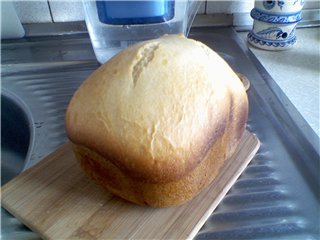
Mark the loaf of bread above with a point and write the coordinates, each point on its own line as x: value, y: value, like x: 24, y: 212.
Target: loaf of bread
x: 155, y: 124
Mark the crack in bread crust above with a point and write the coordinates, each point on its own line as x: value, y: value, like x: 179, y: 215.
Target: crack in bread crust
x: 146, y: 55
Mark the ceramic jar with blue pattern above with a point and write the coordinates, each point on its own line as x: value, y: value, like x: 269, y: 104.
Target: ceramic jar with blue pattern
x: 275, y: 23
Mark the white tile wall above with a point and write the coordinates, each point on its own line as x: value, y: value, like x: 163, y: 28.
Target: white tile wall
x: 58, y: 11
x: 229, y: 6
x: 311, y: 4
x: 66, y: 11
x: 33, y: 11
x: 202, y: 8
x: 39, y: 11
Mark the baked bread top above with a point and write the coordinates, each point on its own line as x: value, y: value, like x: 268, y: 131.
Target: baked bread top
x: 156, y: 108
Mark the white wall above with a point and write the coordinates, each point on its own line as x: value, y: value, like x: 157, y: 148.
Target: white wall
x: 43, y: 11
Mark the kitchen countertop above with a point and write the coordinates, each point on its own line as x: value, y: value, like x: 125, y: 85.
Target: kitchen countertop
x: 297, y: 72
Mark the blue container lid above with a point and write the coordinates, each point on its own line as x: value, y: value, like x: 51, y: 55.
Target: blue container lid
x: 135, y: 12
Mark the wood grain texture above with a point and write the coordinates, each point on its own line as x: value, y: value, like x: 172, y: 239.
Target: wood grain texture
x: 57, y: 200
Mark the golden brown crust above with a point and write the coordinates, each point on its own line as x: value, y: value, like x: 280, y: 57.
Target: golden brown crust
x: 168, y: 194
x: 156, y: 123
x: 155, y: 109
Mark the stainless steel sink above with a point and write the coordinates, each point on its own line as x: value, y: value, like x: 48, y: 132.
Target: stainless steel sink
x: 17, y: 134
x: 276, y: 197
x: 17, y: 141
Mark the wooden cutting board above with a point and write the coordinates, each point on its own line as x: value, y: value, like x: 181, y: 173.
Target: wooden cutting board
x: 57, y: 200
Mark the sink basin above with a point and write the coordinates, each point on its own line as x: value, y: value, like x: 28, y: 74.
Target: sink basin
x: 16, y: 135
x: 17, y: 139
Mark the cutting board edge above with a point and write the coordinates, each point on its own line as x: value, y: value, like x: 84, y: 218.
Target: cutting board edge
x: 23, y: 221
x: 40, y: 165
x: 201, y: 221
x: 214, y: 205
